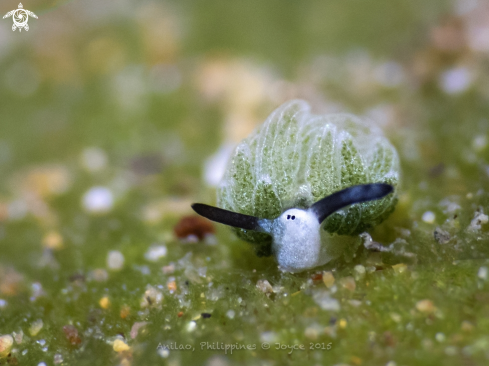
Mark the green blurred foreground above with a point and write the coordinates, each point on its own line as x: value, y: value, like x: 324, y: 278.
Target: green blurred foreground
x: 108, y: 113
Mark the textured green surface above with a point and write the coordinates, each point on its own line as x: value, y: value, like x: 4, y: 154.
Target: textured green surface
x: 296, y: 158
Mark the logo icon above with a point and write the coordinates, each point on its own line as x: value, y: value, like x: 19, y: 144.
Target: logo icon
x: 20, y: 17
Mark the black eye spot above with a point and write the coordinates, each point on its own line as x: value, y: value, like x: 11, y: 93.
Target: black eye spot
x: 288, y: 217
x: 293, y: 217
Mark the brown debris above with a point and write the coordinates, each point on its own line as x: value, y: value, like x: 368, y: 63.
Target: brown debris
x: 147, y: 164
x: 193, y: 226
x: 71, y: 334
x: 316, y: 277
x: 389, y: 339
x: 448, y: 36
x: 77, y: 278
x: 437, y: 170
x: 10, y: 281
x: 125, y: 311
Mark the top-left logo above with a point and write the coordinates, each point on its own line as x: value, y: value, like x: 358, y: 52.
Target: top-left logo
x: 20, y: 17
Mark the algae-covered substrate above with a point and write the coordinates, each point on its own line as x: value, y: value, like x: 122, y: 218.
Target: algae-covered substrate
x: 115, y: 118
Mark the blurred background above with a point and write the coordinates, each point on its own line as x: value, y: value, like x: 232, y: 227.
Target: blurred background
x: 156, y: 88
x: 116, y: 115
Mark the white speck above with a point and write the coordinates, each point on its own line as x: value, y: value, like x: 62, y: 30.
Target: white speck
x: 428, y: 217
x: 218, y: 361
x: 391, y: 363
x: 355, y: 303
x: 155, y: 252
x: 313, y: 331
x: 325, y: 301
x: 98, y: 200
x: 210, y: 239
x: 456, y: 81
x: 449, y: 207
x: 19, y: 337
x: 440, y: 337
x: 230, y: 314
x: 163, y: 352
x: 202, y: 271
x: 264, y: 286
x: 216, y: 165
x: 479, y: 143
x: 37, y: 291
x: 483, y: 273
x: 3, y: 303
x: 191, y: 326
x: 478, y: 220
x: 359, y: 269
x: 93, y: 159
x: 115, y: 260
x: 191, y: 239
x: 42, y: 342
x: 269, y: 337
x: 41, y: 364
x: 58, y: 358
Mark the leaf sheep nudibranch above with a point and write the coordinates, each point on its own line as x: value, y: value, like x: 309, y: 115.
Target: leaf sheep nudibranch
x: 294, y: 160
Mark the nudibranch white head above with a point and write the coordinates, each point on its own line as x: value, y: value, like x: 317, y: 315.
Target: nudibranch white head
x: 297, y: 243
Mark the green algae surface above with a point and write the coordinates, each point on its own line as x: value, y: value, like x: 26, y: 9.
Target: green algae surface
x: 108, y: 115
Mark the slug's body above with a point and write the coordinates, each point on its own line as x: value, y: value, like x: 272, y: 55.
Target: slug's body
x: 297, y: 242
x: 285, y: 184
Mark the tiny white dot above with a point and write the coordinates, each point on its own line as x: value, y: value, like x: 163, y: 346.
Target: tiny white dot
x: 429, y: 217
x: 98, y: 200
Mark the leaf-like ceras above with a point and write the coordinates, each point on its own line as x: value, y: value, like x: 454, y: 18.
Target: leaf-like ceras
x: 295, y: 158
